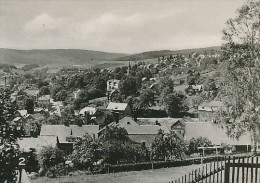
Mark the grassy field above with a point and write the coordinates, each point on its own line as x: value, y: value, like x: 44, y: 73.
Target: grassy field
x: 163, y: 175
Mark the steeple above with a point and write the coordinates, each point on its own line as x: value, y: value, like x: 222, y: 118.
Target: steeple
x: 128, y: 69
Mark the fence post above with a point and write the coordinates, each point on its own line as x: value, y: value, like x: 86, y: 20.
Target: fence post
x: 252, y: 170
x: 227, y: 167
x: 256, y: 170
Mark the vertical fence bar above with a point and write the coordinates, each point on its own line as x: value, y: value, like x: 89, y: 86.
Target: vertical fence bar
x: 214, y: 171
x: 247, y: 171
x: 210, y: 171
x: 233, y: 170
x: 199, y: 175
x: 206, y: 173
x: 227, y: 165
x: 243, y: 171
x: 185, y: 178
x: 192, y: 176
x: 238, y: 170
x: 221, y: 173
x: 256, y: 170
x: 195, y: 175
x: 217, y: 170
x: 182, y: 179
x: 202, y: 174
x: 252, y: 170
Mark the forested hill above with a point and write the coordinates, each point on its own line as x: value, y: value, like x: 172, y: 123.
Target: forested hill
x: 57, y: 56
x: 160, y: 53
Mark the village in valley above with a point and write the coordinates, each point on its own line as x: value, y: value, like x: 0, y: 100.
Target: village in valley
x: 127, y: 112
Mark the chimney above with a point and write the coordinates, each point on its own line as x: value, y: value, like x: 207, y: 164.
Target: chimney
x: 116, y: 115
x: 157, y: 123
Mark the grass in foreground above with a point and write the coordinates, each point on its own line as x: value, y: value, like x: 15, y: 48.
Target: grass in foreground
x: 163, y: 175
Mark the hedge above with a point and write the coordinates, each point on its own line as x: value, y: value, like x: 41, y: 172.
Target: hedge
x: 157, y: 164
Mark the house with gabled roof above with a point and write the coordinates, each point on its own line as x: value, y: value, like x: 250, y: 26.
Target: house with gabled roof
x: 194, y: 89
x: 64, y: 133
x: 36, y: 116
x: 21, y: 113
x: 44, y: 101
x: 144, y: 134
x: 112, y: 84
x: 207, y: 110
x: 34, y: 93
x: 168, y: 125
x: 119, y: 109
x: 90, y: 110
x: 26, y: 144
x: 216, y: 135
x: 19, y: 121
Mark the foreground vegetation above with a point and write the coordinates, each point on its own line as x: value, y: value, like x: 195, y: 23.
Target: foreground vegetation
x: 152, y: 176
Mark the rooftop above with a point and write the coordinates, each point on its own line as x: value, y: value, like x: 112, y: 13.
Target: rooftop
x: 62, y: 132
x: 37, y: 143
x: 214, y: 133
x: 117, y: 106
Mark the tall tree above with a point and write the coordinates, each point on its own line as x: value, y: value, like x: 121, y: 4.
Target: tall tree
x: 174, y: 103
x: 240, y: 86
x: 129, y: 86
x: 8, y: 134
x: 29, y: 105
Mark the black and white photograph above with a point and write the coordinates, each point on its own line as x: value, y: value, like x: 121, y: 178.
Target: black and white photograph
x: 129, y: 91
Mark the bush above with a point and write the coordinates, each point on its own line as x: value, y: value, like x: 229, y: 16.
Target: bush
x: 55, y: 171
x: 50, y: 157
x: 194, y: 143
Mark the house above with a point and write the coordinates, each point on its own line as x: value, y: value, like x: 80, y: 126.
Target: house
x: 20, y: 101
x: 19, y: 121
x: 192, y: 89
x: 14, y: 96
x: 44, y: 101
x: 112, y: 84
x: 21, y: 113
x: 216, y: 135
x: 207, y: 110
x: 168, y: 125
x: 37, y: 116
x: 88, y: 110
x: 112, y: 87
x: 120, y: 110
x: 34, y: 93
x: 41, y: 110
x: 64, y: 133
x: 38, y: 143
x: 143, y: 134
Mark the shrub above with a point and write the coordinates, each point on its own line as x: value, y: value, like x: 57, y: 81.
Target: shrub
x: 49, y: 157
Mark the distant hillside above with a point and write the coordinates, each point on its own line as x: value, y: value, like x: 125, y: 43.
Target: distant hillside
x: 156, y: 54
x: 55, y: 56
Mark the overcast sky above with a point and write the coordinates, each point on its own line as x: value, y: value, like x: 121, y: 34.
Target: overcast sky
x: 114, y: 25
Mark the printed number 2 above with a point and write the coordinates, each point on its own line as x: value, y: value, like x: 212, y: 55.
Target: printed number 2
x: 21, y: 161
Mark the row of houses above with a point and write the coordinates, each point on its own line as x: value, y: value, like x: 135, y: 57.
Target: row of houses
x: 142, y: 130
x: 40, y: 101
